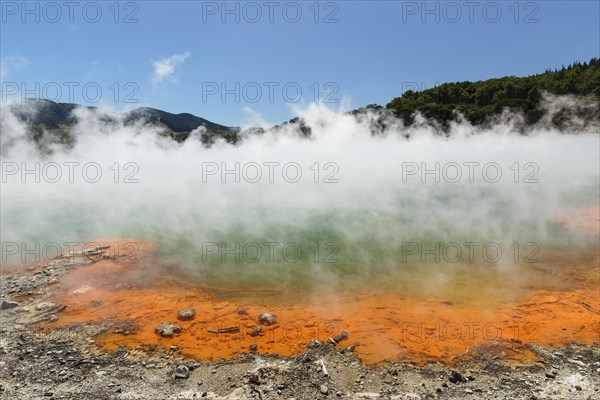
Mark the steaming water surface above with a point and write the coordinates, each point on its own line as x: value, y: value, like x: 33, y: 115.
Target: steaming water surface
x: 366, y: 221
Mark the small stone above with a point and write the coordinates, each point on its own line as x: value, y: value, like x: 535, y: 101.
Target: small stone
x: 324, y: 389
x: 46, y: 305
x: 166, y: 329
x: 350, y: 349
x: 256, y: 331
x: 456, y: 377
x: 578, y: 388
x: 186, y: 314
x: 551, y: 374
x: 253, y: 378
x: 8, y: 304
x: 182, y: 372
x: 267, y: 318
x: 314, y: 344
x: 174, y: 348
x: 341, y: 336
x: 253, y: 347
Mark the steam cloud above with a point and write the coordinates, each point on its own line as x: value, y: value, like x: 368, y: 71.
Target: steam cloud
x: 378, y: 203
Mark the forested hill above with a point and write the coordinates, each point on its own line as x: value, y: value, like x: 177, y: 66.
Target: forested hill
x: 482, y: 100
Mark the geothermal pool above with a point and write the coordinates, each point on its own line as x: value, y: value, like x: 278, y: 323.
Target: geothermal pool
x: 427, y: 248
x: 553, y: 303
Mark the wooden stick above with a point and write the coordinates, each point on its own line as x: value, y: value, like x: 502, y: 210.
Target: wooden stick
x: 233, y: 329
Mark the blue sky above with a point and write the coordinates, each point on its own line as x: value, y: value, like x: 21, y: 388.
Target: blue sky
x: 181, y: 56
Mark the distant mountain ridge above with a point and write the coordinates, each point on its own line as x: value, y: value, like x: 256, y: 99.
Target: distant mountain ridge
x: 178, y: 123
x: 51, y: 115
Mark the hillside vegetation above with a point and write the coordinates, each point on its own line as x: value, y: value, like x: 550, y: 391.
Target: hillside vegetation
x: 480, y: 101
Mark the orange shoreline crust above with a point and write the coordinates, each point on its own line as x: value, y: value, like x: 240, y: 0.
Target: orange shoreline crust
x: 135, y: 296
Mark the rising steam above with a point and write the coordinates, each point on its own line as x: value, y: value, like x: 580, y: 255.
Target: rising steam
x: 359, y: 200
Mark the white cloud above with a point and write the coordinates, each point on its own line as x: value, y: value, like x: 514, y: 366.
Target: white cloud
x: 165, y: 67
x: 255, y: 119
x: 11, y: 64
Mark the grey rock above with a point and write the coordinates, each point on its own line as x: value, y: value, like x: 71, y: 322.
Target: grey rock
x: 182, y: 372
x: 253, y: 378
x: 456, y: 377
x: 267, y: 318
x: 186, y: 314
x: 45, y: 306
x: 8, y: 304
x: 166, y: 329
x: 340, y: 337
x: 256, y: 331
x: 551, y: 374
